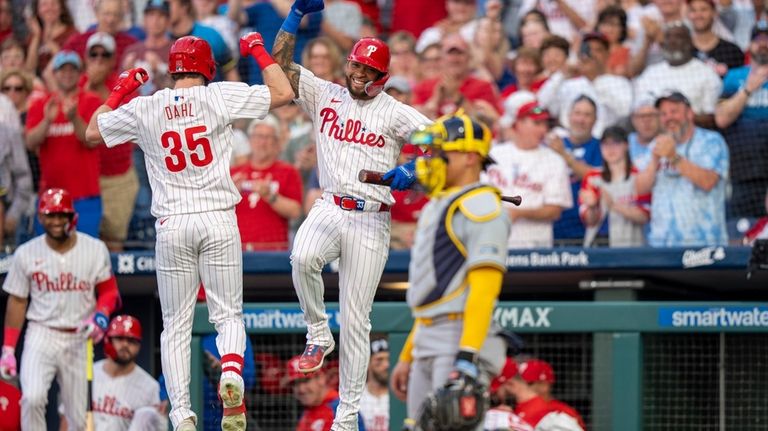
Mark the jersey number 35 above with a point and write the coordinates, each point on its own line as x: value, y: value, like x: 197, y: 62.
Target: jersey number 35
x: 177, y: 160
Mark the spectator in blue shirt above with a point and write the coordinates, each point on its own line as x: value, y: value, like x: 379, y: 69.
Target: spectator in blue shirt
x: 266, y: 17
x: 184, y: 24
x: 743, y: 117
x: 581, y: 152
x: 687, y: 174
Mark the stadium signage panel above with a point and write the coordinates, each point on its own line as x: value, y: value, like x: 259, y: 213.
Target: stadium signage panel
x: 557, y: 259
x: 523, y: 317
x: 283, y: 318
x: 702, y: 257
x: 713, y: 317
x: 129, y: 263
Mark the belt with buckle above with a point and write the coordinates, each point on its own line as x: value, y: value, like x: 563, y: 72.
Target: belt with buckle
x: 348, y: 203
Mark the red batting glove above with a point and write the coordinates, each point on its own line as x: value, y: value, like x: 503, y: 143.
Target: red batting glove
x: 253, y: 44
x: 127, y: 83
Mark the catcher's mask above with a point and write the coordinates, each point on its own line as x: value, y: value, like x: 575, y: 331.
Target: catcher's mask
x: 455, y: 132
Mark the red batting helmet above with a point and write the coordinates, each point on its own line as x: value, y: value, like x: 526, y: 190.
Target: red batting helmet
x: 55, y: 201
x: 121, y: 326
x: 190, y: 54
x: 373, y: 53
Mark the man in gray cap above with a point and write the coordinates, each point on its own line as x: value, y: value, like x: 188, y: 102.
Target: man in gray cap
x: 687, y: 175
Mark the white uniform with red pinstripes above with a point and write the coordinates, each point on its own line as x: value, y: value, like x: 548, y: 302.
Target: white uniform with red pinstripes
x: 351, y: 135
x: 186, y: 136
x: 61, y: 291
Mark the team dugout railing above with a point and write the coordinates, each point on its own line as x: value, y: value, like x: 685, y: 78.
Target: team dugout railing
x: 626, y: 366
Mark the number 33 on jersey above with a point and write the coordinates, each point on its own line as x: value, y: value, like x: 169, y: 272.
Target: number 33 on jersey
x: 186, y: 137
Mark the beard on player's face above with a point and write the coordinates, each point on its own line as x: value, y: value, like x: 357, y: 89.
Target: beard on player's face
x: 357, y: 76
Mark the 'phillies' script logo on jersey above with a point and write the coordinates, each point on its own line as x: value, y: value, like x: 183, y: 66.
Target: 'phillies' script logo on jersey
x: 351, y: 131
x: 63, y: 283
x: 520, y: 180
x: 111, y: 406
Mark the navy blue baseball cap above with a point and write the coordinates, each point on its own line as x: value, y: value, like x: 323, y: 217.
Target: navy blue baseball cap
x: 161, y: 5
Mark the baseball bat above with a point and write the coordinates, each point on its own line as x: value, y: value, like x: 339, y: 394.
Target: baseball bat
x: 89, y: 426
x: 374, y: 177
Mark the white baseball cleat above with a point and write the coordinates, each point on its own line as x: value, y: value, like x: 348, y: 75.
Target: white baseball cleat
x: 187, y: 425
x: 231, y: 394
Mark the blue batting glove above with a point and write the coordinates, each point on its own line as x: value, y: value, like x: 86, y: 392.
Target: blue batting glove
x: 466, y: 368
x: 402, y: 176
x: 304, y: 7
x: 298, y: 10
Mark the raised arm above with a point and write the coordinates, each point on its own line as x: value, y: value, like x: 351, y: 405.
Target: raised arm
x: 285, y: 42
x: 129, y: 81
x: 281, y: 91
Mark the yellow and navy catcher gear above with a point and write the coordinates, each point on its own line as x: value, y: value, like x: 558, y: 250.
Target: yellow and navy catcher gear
x: 456, y: 132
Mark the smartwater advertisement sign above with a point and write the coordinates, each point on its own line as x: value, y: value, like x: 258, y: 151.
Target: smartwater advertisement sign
x: 713, y: 317
x: 283, y: 318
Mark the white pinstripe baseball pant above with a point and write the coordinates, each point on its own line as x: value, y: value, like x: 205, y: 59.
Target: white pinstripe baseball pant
x: 49, y: 353
x: 361, y: 242
x: 192, y: 248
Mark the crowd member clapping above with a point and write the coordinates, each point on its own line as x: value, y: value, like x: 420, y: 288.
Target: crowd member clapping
x: 609, y: 194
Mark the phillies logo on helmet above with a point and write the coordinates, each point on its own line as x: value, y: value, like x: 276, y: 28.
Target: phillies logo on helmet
x: 371, y: 49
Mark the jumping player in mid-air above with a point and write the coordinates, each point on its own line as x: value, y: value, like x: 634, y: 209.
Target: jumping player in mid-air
x: 186, y: 136
x: 357, y: 126
x: 53, y: 279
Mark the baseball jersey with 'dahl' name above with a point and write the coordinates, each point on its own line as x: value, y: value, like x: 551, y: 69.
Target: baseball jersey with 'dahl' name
x: 116, y: 399
x: 61, y: 286
x: 186, y: 136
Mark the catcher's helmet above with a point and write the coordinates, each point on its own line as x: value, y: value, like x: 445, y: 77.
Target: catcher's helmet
x: 121, y: 326
x: 456, y: 132
x: 373, y: 53
x: 55, y: 201
x: 190, y: 54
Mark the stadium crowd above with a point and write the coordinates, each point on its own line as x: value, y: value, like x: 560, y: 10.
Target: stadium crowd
x: 619, y: 123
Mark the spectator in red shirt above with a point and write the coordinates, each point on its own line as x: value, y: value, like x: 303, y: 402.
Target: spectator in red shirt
x: 454, y: 86
x: 317, y: 397
x: 55, y: 127
x: 540, y: 376
x: 414, y: 16
x: 117, y: 178
x: 109, y: 15
x: 271, y: 190
x: 527, y: 69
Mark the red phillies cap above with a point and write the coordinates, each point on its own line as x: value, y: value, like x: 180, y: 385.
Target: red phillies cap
x: 509, y: 371
x: 292, y: 372
x: 536, y: 370
x: 532, y: 110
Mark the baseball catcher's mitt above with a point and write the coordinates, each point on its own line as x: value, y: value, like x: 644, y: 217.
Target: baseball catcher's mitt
x: 460, y: 405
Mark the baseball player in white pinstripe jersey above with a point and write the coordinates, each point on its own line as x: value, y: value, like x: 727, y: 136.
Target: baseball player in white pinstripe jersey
x: 186, y: 136
x: 458, y: 260
x: 53, y: 279
x: 357, y: 126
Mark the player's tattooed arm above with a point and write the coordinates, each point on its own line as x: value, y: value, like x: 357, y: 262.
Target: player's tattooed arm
x: 282, y: 52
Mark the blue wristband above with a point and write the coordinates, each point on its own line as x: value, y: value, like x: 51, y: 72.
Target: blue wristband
x: 292, y: 21
x: 101, y: 320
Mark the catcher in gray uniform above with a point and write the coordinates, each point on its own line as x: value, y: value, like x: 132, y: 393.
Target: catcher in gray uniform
x: 458, y: 261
